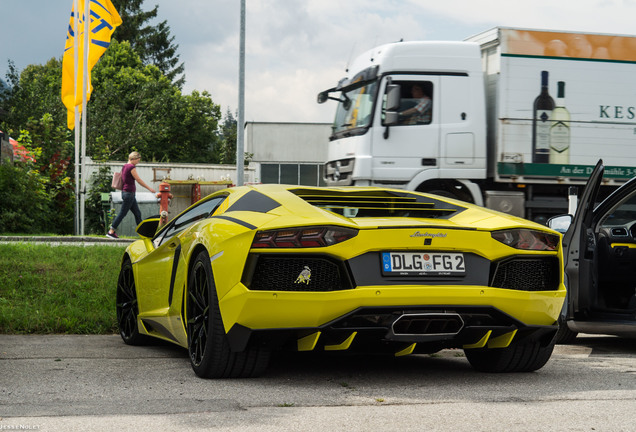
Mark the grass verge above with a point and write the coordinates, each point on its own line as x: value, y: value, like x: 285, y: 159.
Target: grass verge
x: 58, y: 289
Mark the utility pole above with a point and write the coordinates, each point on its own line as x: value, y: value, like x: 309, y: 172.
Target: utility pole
x: 240, y: 137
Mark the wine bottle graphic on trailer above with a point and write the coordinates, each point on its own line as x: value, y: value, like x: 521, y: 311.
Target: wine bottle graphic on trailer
x: 542, y: 110
x: 560, y: 129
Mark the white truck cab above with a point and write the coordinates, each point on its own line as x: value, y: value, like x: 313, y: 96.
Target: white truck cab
x: 369, y: 147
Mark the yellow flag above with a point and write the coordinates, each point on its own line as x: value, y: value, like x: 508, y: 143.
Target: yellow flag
x: 103, y: 20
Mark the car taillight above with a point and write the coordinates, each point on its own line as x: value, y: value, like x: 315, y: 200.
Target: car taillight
x: 527, y: 239
x: 306, y: 237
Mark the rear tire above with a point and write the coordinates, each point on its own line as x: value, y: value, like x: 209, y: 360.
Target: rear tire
x: 564, y: 334
x: 208, y: 346
x: 524, y: 357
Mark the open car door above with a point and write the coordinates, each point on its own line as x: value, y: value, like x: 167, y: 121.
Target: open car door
x: 579, y: 247
x: 599, y: 251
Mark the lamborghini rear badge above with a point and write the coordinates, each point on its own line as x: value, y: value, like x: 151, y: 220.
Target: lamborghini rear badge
x: 304, y: 276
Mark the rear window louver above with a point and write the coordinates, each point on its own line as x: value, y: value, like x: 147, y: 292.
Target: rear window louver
x: 381, y: 203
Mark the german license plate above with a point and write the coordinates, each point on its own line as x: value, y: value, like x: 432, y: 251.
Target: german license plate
x: 423, y: 264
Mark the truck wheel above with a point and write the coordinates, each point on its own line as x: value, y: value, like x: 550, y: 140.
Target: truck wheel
x: 524, y: 357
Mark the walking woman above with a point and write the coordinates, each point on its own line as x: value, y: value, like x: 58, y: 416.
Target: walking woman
x: 129, y: 176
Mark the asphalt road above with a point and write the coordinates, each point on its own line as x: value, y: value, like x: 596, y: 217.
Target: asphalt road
x: 96, y: 383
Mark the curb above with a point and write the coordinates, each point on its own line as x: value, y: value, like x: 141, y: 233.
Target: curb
x: 73, y: 240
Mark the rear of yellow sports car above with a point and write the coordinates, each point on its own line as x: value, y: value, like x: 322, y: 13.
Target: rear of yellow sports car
x: 253, y: 269
x: 385, y: 271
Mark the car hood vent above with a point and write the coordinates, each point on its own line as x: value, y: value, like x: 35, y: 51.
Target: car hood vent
x: 360, y: 202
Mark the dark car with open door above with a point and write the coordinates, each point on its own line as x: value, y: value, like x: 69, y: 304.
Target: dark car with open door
x: 599, y: 248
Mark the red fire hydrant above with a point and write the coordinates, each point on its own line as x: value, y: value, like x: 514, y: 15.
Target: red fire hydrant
x: 164, y: 196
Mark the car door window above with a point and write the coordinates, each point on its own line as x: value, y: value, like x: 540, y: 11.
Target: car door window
x: 190, y: 217
x: 623, y: 214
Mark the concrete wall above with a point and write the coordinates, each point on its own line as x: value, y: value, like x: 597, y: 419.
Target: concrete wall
x: 287, y: 142
x: 153, y: 172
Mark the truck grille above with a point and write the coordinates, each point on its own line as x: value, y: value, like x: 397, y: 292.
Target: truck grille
x: 527, y: 274
x: 298, y: 273
x: 338, y: 173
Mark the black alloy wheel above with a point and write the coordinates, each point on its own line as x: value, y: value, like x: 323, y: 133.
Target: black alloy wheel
x: 127, y: 307
x: 208, y: 345
x: 198, y: 307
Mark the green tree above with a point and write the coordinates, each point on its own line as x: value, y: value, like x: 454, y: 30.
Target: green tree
x: 32, y: 93
x: 135, y: 107
x: 194, y: 129
x: 130, y: 107
x: 53, y: 153
x: 36, y: 117
x: 24, y: 203
x: 228, y: 137
x: 4, y: 92
x: 153, y: 44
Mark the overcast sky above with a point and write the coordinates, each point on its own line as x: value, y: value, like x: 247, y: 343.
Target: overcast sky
x: 296, y: 48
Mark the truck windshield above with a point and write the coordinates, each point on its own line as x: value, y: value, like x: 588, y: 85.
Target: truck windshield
x: 356, y: 108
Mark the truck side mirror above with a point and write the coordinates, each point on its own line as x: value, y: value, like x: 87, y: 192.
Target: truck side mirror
x: 322, y: 97
x: 392, y: 97
x: 391, y: 116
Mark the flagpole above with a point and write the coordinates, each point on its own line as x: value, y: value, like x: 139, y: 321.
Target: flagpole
x: 106, y: 18
x: 87, y: 27
x: 77, y: 135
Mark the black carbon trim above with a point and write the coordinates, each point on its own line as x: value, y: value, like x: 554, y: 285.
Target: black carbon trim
x: 159, y: 328
x: 373, y: 325
x: 526, y: 273
x: 236, y: 221
x: 381, y: 203
x: 173, y: 276
x: 280, y: 272
x: 254, y: 201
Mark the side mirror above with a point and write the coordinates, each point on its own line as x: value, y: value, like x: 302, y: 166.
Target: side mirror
x: 322, y: 97
x: 392, y: 97
x: 148, y: 227
x: 560, y: 223
x: 346, y: 103
x: 391, y: 116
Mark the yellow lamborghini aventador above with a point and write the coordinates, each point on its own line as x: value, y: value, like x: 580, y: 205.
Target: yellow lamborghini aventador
x: 252, y: 269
